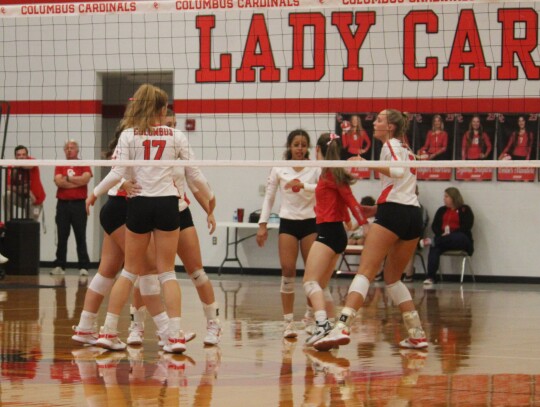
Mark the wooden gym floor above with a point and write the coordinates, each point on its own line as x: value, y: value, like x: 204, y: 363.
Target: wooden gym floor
x: 483, y: 350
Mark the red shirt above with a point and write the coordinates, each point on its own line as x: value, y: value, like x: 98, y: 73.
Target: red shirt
x: 451, y: 219
x: 354, y: 142
x: 71, y: 194
x: 332, y: 201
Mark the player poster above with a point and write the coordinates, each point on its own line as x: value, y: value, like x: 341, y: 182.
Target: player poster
x: 475, y: 141
x: 356, y: 131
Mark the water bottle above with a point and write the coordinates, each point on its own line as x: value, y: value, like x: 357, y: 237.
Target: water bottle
x: 235, y: 216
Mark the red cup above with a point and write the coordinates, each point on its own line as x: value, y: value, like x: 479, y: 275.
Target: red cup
x: 240, y: 214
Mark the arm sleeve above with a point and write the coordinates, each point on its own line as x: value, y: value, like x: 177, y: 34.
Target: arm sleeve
x: 356, y: 210
x: 117, y: 173
x: 444, y: 144
x: 436, y: 226
x: 466, y: 219
x: 310, y: 187
x: 366, y: 139
x: 509, y: 144
x: 199, y: 184
x: 272, y: 184
x: 194, y: 176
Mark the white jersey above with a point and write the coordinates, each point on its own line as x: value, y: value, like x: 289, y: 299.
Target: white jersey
x: 402, y: 189
x: 294, y: 205
x: 161, y: 143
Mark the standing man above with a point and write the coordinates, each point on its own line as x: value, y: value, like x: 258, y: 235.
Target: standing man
x: 72, y: 191
x: 24, y: 183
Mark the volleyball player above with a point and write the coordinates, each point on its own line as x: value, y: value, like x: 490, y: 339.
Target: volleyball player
x: 333, y: 195
x: 189, y: 252
x: 153, y: 211
x: 297, y: 227
x: 394, y: 236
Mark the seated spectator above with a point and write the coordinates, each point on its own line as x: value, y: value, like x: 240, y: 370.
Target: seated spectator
x: 358, y: 235
x: 408, y: 273
x: 452, y: 228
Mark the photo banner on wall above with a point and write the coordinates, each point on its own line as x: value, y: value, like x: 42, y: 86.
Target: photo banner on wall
x: 517, y: 140
x: 356, y: 132
x: 475, y: 135
x: 434, y: 140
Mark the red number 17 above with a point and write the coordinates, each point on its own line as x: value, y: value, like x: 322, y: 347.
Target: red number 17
x: 148, y: 144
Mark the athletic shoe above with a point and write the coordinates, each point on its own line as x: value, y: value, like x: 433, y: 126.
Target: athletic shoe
x: 162, y: 338
x: 340, y: 335
x: 83, y: 272
x: 85, y: 336
x: 176, y: 343
x: 320, y: 332
x: 328, y: 364
x: 408, y: 279
x: 416, y: 340
x: 3, y: 259
x: 213, y: 332
x: 425, y: 242
x: 136, y: 334
x: 109, y: 340
x: 57, y: 271
x: 289, y: 331
x: 428, y: 282
x: 309, y: 324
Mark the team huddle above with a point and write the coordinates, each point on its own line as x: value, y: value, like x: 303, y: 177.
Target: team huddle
x: 147, y: 222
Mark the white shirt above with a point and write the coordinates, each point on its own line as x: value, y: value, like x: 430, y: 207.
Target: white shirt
x: 294, y: 205
x: 400, y: 188
x: 162, y: 143
x: 195, y: 182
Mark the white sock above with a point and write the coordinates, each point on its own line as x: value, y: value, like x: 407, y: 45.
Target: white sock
x: 87, y: 321
x: 211, y: 311
x: 174, y: 324
x: 321, y: 316
x: 161, y: 321
x: 138, y: 315
x: 288, y: 317
x: 111, y: 322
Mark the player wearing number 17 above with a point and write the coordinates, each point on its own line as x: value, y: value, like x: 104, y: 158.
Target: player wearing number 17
x: 393, y: 236
x: 154, y: 210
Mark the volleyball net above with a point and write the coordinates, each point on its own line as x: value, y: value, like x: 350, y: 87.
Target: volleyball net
x: 241, y: 74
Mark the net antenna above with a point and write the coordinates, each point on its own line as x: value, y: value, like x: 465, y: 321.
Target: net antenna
x: 5, y: 110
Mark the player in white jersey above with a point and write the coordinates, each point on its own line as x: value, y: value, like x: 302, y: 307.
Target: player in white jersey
x: 394, y: 236
x: 297, y: 227
x: 153, y: 211
x: 189, y: 251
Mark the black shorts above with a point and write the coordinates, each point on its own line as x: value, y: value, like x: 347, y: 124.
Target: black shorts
x: 146, y: 214
x: 186, y: 220
x: 403, y: 220
x: 113, y: 214
x: 333, y: 235
x: 298, y: 228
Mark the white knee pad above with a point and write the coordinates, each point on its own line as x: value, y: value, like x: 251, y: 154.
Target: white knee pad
x: 101, y: 285
x: 287, y: 285
x: 398, y: 292
x: 360, y: 285
x: 327, y: 295
x: 167, y: 276
x: 311, y: 287
x: 149, y: 284
x: 130, y: 276
x: 199, y: 277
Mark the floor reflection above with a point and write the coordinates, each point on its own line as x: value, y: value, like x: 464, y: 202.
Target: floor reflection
x: 482, y: 351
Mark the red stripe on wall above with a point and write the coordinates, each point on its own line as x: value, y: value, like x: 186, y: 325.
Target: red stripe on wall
x: 56, y: 107
x: 237, y: 106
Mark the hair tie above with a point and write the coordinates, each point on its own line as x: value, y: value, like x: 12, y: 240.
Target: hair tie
x: 333, y: 137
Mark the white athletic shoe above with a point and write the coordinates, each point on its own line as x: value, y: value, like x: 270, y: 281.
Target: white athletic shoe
x: 289, y: 331
x: 213, y: 332
x: 320, y: 332
x: 3, y: 259
x: 176, y: 343
x: 108, y: 339
x: 83, y: 272
x: 136, y: 334
x: 57, y: 271
x: 162, y: 338
x: 416, y: 340
x: 85, y: 337
x: 340, y: 335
